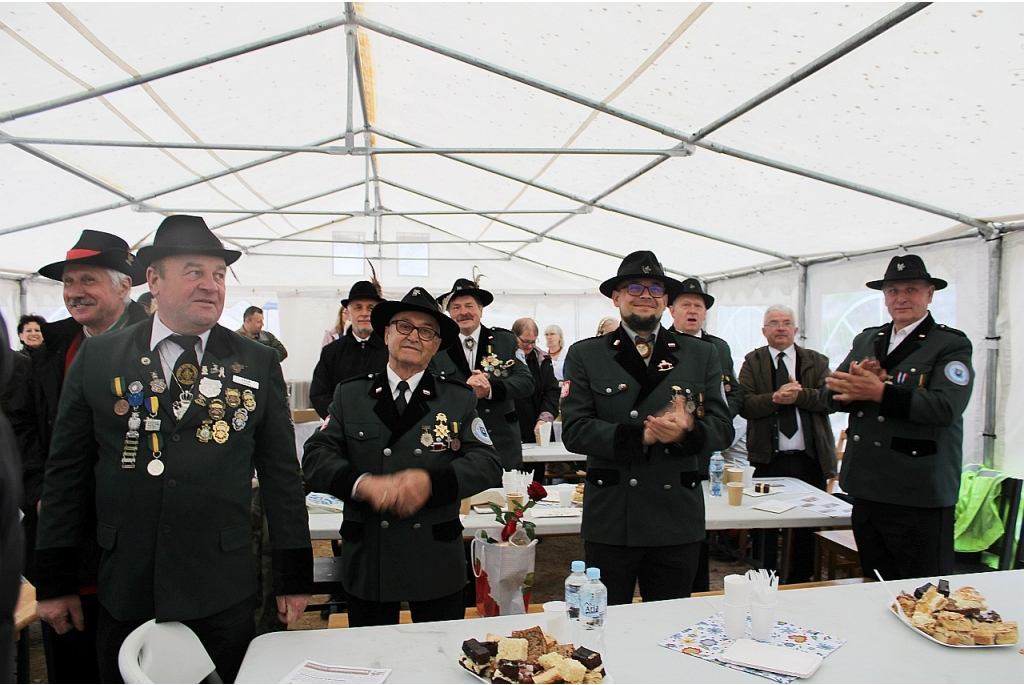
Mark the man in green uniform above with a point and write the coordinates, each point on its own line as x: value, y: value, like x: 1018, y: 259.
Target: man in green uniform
x: 401, y: 449
x: 489, y: 361
x: 162, y: 446
x: 905, y: 385
x: 252, y: 327
x: 643, y: 403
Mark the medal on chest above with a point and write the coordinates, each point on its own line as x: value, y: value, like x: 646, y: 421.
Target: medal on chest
x: 155, y: 442
x: 643, y: 349
x: 493, y: 365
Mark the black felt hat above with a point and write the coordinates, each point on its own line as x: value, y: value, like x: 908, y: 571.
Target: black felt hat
x: 464, y: 286
x: 416, y: 300
x: 691, y: 286
x: 639, y: 264
x: 96, y: 248
x: 183, y: 234
x: 908, y: 267
x: 362, y: 290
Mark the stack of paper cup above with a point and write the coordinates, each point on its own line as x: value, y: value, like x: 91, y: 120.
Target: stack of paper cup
x: 736, y: 606
x: 748, y: 476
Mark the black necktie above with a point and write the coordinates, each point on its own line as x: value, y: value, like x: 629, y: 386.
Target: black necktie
x: 787, y: 412
x: 186, y: 369
x: 400, y: 402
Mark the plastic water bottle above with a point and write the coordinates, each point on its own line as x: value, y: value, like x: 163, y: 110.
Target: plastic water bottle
x: 593, y: 608
x: 573, y: 584
x: 716, y: 470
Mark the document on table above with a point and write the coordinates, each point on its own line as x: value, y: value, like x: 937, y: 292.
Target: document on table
x: 314, y: 672
x: 820, y: 505
x: 774, y: 506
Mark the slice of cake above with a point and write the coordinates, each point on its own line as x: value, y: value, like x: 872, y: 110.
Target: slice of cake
x: 513, y: 649
x: 537, y: 644
x: 572, y: 671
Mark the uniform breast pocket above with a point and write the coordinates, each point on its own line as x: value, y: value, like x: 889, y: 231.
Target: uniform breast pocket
x: 603, y: 478
x: 610, y: 387
x: 912, y: 375
x: 362, y: 431
x: 913, y: 447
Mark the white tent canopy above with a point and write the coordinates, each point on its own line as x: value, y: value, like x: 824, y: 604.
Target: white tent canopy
x: 750, y: 145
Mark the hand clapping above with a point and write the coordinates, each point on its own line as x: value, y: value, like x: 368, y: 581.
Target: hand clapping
x: 480, y: 383
x: 788, y: 393
x: 862, y: 382
x: 671, y: 427
x: 403, y: 493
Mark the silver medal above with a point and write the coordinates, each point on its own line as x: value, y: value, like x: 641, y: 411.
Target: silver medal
x: 155, y: 467
x: 134, y: 422
x: 152, y: 425
x: 157, y: 386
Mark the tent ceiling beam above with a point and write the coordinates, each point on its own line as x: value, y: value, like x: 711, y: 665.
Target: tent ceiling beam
x: 466, y: 241
x: 353, y: 151
x: 360, y: 213
x: 155, y: 194
x: 213, y: 58
x: 64, y: 166
x: 847, y: 46
x: 372, y: 172
x: 585, y: 201
x: 286, y: 205
x: 387, y: 259
x: 666, y: 130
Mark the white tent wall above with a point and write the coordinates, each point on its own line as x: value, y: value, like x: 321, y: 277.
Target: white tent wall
x: 11, y: 309
x: 1009, y: 453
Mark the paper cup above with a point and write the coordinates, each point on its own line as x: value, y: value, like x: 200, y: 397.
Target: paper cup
x: 556, y: 431
x: 735, y: 493
x: 748, y: 476
x: 565, y: 494
x: 762, y: 620
x: 544, y: 434
x: 513, y: 497
x: 733, y: 475
x: 555, y: 615
x: 737, y: 589
x: 735, y: 619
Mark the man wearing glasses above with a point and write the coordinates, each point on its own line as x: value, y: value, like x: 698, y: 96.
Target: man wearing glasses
x: 788, y: 432
x: 489, y: 361
x: 643, y: 403
x: 402, y: 448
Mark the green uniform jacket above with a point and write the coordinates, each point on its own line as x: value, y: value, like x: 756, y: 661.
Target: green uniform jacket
x: 909, y: 448
x: 636, y: 496
x: 499, y: 412
x: 386, y: 558
x: 176, y: 546
x: 269, y: 339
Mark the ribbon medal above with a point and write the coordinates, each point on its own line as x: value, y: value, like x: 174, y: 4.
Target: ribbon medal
x: 152, y: 405
x: 455, y: 443
x: 119, y: 387
x: 155, y: 441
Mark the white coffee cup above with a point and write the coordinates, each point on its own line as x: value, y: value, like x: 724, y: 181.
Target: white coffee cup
x: 555, y: 615
x: 565, y: 493
x: 544, y: 434
x: 748, y: 476
x: 762, y: 620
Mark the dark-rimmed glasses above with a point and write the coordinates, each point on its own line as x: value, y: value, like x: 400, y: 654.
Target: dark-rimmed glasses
x: 425, y: 333
x: 637, y: 289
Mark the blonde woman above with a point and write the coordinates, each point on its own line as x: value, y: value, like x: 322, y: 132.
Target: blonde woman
x: 607, y: 325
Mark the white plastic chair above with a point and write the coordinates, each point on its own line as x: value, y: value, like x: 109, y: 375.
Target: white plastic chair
x: 165, y: 653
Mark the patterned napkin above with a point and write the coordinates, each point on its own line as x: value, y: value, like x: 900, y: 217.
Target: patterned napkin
x: 707, y: 640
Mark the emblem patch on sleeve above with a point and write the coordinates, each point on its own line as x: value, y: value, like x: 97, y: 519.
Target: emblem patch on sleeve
x: 565, y: 390
x: 958, y: 373
x: 521, y: 356
x: 480, y: 431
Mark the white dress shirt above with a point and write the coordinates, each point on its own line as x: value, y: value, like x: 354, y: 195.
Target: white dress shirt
x: 170, y: 350
x: 471, y: 355
x: 394, y: 380
x: 797, y: 441
x: 899, y: 336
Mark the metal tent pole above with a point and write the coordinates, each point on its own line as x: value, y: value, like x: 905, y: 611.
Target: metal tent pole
x: 995, y: 269
x: 309, y: 30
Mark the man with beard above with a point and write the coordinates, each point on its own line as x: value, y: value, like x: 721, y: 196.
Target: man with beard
x: 643, y: 404
x: 489, y: 361
x: 358, y: 352
x: 98, y: 274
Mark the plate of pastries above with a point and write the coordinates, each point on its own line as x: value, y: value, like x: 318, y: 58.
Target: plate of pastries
x: 530, y: 656
x: 961, y: 618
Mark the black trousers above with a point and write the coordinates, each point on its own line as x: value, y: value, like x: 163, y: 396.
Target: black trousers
x: 365, y: 612
x: 901, y: 541
x: 663, y: 572
x: 225, y: 635
x: 800, y: 465
x: 71, y: 657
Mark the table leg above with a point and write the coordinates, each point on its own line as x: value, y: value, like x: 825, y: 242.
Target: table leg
x: 817, y: 558
x: 24, y: 660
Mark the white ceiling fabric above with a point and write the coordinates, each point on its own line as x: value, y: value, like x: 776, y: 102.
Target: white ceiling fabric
x: 928, y: 110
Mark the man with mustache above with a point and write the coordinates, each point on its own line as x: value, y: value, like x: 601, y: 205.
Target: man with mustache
x: 905, y: 385
x: 402, y: 448
x: 160, y: 429
x: 98, y: 274
x: 357, y: 352
x: 489, y: 361
x: 643, y: 404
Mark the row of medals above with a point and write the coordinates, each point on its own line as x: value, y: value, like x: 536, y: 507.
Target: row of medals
x: 441, y: 437
x: 494, y: 366
x: 215, y: 428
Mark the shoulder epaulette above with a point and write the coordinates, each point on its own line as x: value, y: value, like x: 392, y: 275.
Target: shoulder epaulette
x: 451, y: 380
x: 950, y: 329
x: 360, y: 377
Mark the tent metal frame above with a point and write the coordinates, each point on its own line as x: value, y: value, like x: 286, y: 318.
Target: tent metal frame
x: 990, y: 231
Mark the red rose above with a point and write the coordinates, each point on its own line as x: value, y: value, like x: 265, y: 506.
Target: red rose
x: 518, y: 513
x: 508, y: 530
x: 536, y: 491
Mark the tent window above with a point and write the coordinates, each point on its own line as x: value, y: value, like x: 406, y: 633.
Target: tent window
x: 413, y: 254
x: 348, y: 253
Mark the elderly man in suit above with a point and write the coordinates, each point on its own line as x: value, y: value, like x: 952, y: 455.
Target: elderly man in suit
x: 905, y: 386
x: 489, y: 361
x: 401, y: 449
x: 160, y: 428
x: 788, y: 432
x: 643, y: 404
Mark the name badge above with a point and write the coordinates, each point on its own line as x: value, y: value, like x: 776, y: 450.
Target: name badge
x: 246, y: 382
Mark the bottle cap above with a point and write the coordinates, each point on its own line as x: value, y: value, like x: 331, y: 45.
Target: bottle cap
x: 578, y: 567
x: 593, y: 573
